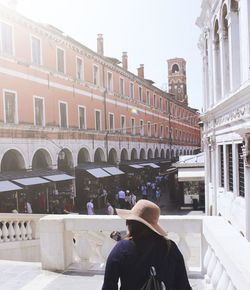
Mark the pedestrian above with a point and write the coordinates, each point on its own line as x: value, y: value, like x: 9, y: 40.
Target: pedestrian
x: 133, y: 199
x: 90, y: 207
x: 28, y: 207
x: 158, y: 194
x: 110, y: 209
x: 144, y: 191
x: 121, y: 198
x: 145, y: 245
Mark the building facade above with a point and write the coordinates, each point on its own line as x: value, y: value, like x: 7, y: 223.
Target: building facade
x: 225, y: 47
x: 63, y: 104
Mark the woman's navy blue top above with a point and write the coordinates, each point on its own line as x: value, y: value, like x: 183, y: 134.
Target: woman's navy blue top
x: 130, y: 262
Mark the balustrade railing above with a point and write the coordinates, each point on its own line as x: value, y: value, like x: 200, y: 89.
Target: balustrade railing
x: 212, y: 248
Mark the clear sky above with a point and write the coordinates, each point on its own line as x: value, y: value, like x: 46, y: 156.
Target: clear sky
x: 151, y: 31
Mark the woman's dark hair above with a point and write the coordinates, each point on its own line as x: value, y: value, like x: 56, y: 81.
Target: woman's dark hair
x: 137, y: 231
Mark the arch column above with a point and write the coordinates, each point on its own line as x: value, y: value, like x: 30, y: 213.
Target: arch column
x: 216, y: 72
x: 246, y: 154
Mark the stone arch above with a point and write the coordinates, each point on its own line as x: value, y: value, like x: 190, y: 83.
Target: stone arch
x: 83, y: 156
x: 65, y: 160
x: 150, y: 153
x: 172, y: 154
x: 181, y: 152
x: 142, y: 154
x: 162, y: 154
x: 99, y: 155
x: 12, y: 160
x: 112, y: 158
x: 41, y: 160
x: 168, y: 154
x: 134, y: 154
x: 124, y: 155
x: 184, y: 151
x: 177, y: 153
x: 156, y: 153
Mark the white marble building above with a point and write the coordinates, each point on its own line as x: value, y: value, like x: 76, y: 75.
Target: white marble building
x: 225, y: 48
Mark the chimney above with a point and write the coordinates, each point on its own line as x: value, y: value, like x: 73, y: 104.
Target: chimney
x: 100, y: 44
x: 141, y: 71
x: 125, y: 60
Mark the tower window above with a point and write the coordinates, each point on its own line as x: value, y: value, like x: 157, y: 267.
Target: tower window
x: 175, y: 68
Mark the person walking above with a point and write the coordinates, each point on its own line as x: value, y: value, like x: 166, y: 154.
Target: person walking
x: 145, y: 245
x: 121, y: 198
x: 110, y: 209
x: 90, y: 207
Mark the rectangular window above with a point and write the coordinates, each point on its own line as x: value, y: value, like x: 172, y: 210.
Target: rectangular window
x: 60, y: 60
x: 141, y: 127
x: 10, y: 107
x: 155, y: 101
x: 122, y: 87
x: 148, y: 98
x: 241, y: 171
x: 39, y: 111
x: 95, y: 75
x: 131, y: 90
x: 111, y: 122
x: 167, y: 132
x: 161, y: 107
x: 110, y: 82
x: 98, y: 120
x: 123, y: 124
x: 230, y: 167
x: 140, y: 93
x: 36, y: 50
x: 82, y: 117
x: 221, y: 152
x: 161, y: 130
x: 63, y: 115
x: 6, y: 37
x: 132, y: 126
x: 167, y: 107
x: 149, y: 129
x: 79, y: 68
x: 156, y: 130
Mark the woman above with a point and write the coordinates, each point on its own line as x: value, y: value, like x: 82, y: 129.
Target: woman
x: 146, y: 245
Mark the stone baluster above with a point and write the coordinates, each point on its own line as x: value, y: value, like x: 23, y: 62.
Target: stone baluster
x: 29, y: 230
x: 82, y: 247
x: 210, y: 268
x: 17, y: 231
x: 184, y: 248
x: 224, y: 281
x: 217, y: 272
x: 1, y: 233
x: 107, y: 245
x: 12, y: 235
x: 207, y: 257
x: 231, y: 286
x: 23, y: 231
x: 5, y: 232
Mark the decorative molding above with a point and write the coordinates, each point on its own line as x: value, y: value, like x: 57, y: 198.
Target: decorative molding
x: 236, y: 115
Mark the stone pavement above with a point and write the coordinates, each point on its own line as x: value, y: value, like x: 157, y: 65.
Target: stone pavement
x: 29, y: 276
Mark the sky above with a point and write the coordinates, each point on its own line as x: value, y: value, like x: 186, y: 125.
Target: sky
x: 150, y: 31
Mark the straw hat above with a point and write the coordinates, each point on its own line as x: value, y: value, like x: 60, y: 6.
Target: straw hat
x: 145, y: 212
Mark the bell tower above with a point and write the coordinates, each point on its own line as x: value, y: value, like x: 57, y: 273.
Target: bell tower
x: 177, y: 83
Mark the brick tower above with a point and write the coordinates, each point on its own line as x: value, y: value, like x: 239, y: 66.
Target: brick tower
x: 177, y: 79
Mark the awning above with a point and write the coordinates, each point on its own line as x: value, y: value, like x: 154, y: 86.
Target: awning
x: 137, y: 166
x: 31, y: 181
x: 8, y: 186
x: 59, y: 177
x: 98, y: 172
x: 191, y: 174
x: 113, y: 170
x: 153, y: 165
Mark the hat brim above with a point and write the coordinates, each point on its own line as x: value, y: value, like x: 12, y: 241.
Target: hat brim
x: 128, y: 215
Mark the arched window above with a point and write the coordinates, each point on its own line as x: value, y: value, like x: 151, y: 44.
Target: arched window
x: 175, y: 68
